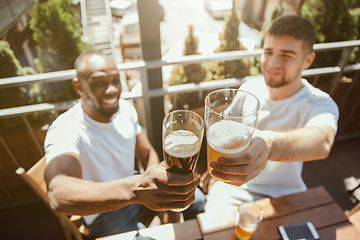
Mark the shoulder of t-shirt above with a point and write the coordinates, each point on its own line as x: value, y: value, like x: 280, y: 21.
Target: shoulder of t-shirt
x: 253, y: 83
x: 125, y: 105
x: 316, y: 93
x: 127, y: 108
x: 70, y: 117
x: 317, y: 97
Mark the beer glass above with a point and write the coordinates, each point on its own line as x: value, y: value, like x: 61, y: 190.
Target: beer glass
x: 230, y: 119
x: 181, y: 138
x: 247, y: 219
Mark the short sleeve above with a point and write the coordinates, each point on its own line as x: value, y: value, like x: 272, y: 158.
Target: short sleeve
x: 131, y: 112
x: 324, y: 111
x: 61, y: 139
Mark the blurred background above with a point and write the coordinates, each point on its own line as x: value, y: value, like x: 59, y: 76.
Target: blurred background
x: 171, y: 53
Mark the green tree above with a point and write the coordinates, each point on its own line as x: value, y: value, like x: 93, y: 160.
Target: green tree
x: 355, y: 58
x: 10, y: 67
x: 191, y: 73
x: 229, y: 41
x: 57, y: 30
x: 275, y: 12
x: 333, y: 22
x: 13, y: 96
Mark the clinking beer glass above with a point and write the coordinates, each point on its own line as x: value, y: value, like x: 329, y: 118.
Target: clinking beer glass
x: 230, y: 119
x: 182, y: 137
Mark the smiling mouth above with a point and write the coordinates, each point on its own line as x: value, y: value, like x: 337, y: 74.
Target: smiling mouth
x: 273, y: 73
x: 112, y: 102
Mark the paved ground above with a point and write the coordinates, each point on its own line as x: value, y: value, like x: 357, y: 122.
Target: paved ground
x: 180, y: 14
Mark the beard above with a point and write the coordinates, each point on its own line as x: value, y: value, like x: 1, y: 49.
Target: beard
x: 273, y: 84
x: 107, y: 113
x: 285, y: 79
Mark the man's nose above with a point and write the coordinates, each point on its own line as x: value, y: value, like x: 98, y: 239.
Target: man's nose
x: 112, y: 89
x: 275, y: 60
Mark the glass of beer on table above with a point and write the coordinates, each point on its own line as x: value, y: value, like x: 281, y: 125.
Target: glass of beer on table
x: 181, y: 138
x: 247, y: 219
x: 230, y: 119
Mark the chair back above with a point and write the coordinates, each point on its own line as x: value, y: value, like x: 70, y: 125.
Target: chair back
x: 34, y: 177
x: 36, y: 173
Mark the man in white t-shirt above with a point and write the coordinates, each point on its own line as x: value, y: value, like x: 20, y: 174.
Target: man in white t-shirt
x: 297, y: 122
x: 90, y: 151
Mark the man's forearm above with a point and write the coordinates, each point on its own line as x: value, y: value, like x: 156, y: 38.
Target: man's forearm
x: 156, y: 188
x: 303, y: 144
x: 71, y: 195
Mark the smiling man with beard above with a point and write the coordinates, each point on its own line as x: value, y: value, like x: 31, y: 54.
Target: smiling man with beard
x: 90, y: 151
x: 296, y: 122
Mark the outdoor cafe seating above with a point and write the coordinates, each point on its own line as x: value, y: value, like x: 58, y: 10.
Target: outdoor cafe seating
x: 314, y: 205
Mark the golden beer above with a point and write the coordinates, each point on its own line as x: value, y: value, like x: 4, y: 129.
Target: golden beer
x: 181, y: 165
x: 246, y: 226
x: 181, y: 151
x: 226, y: 137
x: 242, y: 234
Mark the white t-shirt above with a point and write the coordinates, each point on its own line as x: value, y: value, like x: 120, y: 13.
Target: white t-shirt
x: 309, y: 107
x: 106, y: 150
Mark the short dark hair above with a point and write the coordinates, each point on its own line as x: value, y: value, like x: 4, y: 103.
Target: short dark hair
x: 295, y: 26
x: 79, y: 72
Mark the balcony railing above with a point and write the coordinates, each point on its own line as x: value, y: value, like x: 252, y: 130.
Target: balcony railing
x: 348, y: 128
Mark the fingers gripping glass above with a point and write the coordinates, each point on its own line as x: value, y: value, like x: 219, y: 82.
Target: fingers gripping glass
x: 181, y: 138
x: 230, y: 119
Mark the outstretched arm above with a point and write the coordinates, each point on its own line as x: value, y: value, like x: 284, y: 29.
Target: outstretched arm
x: 303, y: 144
x: 156, y: 188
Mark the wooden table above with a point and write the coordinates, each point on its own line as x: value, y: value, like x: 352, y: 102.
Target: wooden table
x: 314, y: 205
x: 188, y: 230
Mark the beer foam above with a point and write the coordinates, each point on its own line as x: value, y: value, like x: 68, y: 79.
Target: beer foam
x: 228, y: 137
x: 182, y: 143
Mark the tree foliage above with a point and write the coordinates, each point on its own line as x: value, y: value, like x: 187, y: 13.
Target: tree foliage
x: 191, y: 73
x: 57, y: 30
x: 333, y: 22
x: 10, y: 67
x: 229, y: 41
x: 12, y: 96
x: 275, y: 13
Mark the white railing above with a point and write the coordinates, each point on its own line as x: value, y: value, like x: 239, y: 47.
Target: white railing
x: 335, y: 72
x: 147, y: 94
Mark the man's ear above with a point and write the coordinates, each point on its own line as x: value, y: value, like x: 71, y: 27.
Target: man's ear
x: 77, y: 86
x: 309, y: 60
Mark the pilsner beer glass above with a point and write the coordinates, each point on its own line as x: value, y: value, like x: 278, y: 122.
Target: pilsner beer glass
x: 247, y: 219
x: 182, y: 137
x: 230, y: 119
